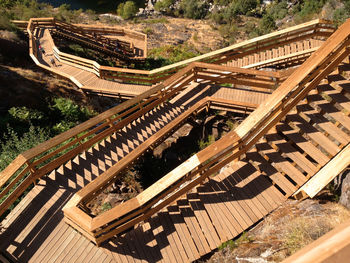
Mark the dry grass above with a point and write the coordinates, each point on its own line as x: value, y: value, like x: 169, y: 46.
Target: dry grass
x: 289, y: 228
x: 303, y: 230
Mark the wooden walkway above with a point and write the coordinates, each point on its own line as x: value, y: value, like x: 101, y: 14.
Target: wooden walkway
x: 220, y: 209
x: 309, y: 134
x: 85, y: 79
x: 94, y: 80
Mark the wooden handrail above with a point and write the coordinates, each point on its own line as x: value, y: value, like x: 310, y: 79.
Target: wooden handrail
x: 49, y: 155
x: 315, y: 28
x: 215, y: 156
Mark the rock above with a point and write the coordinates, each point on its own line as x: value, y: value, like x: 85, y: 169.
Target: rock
x: 345, y: 191
x: 181, y: 132
x: 111, y: 16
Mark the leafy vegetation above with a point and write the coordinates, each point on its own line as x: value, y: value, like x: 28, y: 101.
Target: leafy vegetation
x: 25, y: 9
x: 127, y: 10
x: 234, y: 243
x: 166, y: 55
x: 28, y: 127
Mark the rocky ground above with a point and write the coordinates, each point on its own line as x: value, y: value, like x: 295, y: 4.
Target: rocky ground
x: 174, y: 31
x: 290, y: 227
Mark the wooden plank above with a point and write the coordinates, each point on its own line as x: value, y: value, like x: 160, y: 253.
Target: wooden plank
x: 52, y: 238
x: 222, y: 202
x: 174, y: 241
x: 262, y: 165
x: 258, y: 184
x: 87, y: 254
x: 116, y: 248
x: 312, y: 133
x: 213, y: 211
x: 327, y: 173
x: 204, y: 220
x: 36, y: 213
x: 54, y: 244
x: 183, y: 232
x: 335, y: 95
x: 329, y: 109
x: 98, y: 257
x: 272, y: 194
x: 280, y: 163
x: 139, y: 238
x: 194, y: 228
x: 250, y: 197
x: 64, y: 248
x: 162, y: 242
x: 285, y: 148
x: 248, y: 173
x: 77, y: 249
x: 236, y: 203
x: 302, y: 143
x: 310, y: 113
x: 134, y: 250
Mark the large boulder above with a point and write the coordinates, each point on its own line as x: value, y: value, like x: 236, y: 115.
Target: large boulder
x: 345, y: 190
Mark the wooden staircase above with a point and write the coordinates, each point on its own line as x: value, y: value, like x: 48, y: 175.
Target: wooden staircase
x: 299, y: 132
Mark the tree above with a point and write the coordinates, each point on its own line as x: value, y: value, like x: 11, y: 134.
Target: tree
x: 127, y: 10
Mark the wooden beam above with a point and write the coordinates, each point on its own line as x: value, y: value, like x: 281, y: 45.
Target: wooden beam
x: 323, y: 177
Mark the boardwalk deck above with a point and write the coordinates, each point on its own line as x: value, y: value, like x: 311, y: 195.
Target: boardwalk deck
x: 195, y: 224
x: 289, y: 152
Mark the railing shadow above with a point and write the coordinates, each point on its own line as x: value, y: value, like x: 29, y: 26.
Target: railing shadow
x: 46, y: 205
x: 239, y: 186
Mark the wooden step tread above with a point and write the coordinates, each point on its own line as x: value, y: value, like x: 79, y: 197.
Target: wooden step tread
x: 286, y: 149
x: 303, y: 143
x: 314, y: 116
x: 312, y: 133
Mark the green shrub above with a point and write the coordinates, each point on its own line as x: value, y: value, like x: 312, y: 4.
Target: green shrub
x: 106, y: 206
x: 341, y: 14
x: 12, y: 144
x: 173, y: 54
x: 161, y: 20
x: 229, y: 32
x: 232, y: 244
x: 25, y: 115
x: 5, y: 23
x: 127, y: 10
x: 311, y: 7
x: 70, y: 111
x: 278, y: 10
x: 66, y: 14
x: 194, y: 9
x: 239, y: 7
x: 164, y: 6
x: 147, y: 30
x: 267, y: 24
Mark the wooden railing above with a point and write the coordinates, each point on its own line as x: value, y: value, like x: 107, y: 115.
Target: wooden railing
x: 94, y: 36
x: 96, y: 40
x: 211, y: 159
x: 312, y: 29
x: 41, y: 160
x: 107, y: 30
